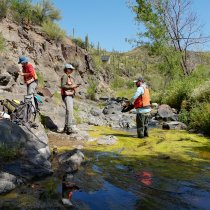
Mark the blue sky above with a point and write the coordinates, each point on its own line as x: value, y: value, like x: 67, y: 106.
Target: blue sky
x: 110, y: 22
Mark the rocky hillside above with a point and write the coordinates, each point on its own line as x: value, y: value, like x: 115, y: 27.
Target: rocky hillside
x: 47, y: 56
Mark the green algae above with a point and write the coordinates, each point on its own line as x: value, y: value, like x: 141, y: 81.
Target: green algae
x: 176, y: 144
x: 166, y: 153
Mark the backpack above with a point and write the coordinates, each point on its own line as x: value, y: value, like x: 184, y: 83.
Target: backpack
x: 26, y: 111
x: 23, y: 113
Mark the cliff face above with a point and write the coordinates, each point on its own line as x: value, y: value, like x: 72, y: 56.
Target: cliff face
x: 47, y: 56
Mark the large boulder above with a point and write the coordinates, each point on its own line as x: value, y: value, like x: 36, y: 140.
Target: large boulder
x: 32, y: 147
x: 165, y: 112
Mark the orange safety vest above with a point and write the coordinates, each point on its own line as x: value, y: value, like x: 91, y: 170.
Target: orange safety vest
x: 64, y: 91
x: 142, y: 100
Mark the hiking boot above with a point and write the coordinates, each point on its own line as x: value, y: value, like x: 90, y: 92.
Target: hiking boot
x: 70, y: 131
x: 140, y: 136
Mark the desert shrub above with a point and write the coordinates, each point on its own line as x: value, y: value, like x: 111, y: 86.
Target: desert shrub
x: 117, y: 82
x: 179, y: 90
x: 3, y: 8
x: 43, y: 11
x: 192, y: 88
x: 200, y: 117
x: 184, y: 116
x: 21, y: 10
x: 175, y: 93
x: 97, y: 64
x: 201, y: 92
x: 57, y: 97
x: 155, y: 96
x: 40, y: 78
x: 79, y: 42
x: 53, y: 31
x: 91, y: 90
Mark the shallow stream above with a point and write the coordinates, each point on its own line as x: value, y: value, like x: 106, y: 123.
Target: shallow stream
x: 168, y: 170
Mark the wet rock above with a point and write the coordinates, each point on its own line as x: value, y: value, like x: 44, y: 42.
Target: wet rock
x: 6, y: 186
x: 8, y: 182
x: 174, y: 125
x: 70, y: 161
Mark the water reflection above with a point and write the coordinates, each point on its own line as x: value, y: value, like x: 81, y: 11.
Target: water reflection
x: 109, y: 197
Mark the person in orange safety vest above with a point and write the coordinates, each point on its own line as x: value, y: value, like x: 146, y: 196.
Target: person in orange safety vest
x: 141, y: 102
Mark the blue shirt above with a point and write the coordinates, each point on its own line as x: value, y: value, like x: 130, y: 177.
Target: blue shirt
x: 139, y: 92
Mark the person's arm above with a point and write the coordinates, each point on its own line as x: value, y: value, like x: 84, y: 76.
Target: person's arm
x: 64, y: 84
x: 139, y: 92
x: 30, y: 71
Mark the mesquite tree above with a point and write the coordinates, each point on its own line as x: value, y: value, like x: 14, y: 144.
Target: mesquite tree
x: 171, y: 29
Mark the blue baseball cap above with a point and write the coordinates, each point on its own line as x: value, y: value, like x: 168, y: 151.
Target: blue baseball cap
x: 23, y: 59
x: 68, y: 66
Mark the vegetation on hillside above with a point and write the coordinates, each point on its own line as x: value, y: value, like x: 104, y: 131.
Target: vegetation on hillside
x: 42, y: 13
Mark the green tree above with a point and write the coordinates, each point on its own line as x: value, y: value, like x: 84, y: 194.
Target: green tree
x: 170, y: 26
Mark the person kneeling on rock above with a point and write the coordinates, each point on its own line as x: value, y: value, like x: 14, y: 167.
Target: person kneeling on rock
x: 68, y: 90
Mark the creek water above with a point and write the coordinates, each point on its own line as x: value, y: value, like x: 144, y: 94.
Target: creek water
x: 108, y: 181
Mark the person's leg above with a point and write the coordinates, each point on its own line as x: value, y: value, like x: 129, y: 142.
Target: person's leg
x: 146, y: 122
x: 31, y: 88
x: 31, y: 91
x: 140, y: 125
x: 69, y: 112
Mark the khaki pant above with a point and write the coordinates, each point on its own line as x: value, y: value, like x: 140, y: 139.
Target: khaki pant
x: 31, y: 88
x: 31, y: 91
x: 68, y: 100
x: 142, y: 120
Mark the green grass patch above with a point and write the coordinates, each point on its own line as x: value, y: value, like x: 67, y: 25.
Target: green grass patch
x: 8, y: 153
